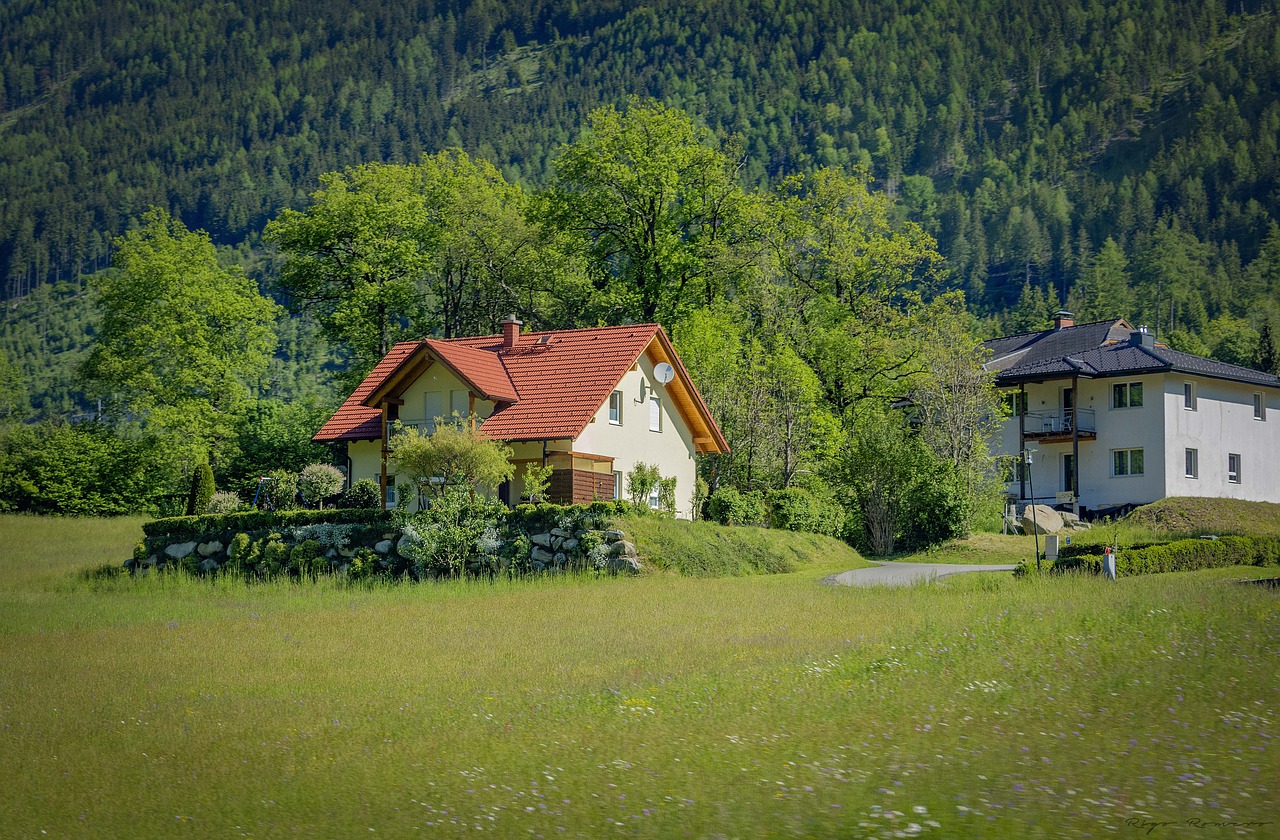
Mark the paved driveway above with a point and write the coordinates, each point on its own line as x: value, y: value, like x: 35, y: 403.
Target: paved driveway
x: 905, y: 574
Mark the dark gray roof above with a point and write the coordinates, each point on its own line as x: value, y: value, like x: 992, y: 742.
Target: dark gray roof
x: 1101, y: 349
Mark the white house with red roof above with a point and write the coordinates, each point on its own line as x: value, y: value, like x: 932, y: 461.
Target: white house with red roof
x: 591, y: 403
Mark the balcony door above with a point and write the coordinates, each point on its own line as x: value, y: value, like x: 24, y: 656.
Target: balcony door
x: 1068, y: 408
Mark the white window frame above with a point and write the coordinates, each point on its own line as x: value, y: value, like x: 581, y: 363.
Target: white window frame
x: 1128, y: 462
x: 615, y: 408
x: 1128, y: 395
x: 1259, y: 406
x: 1189, y: 396
x: 1191, y: 462
x: 1233, y: 475
x: 655, y: 413
x: 653, y: 496
x: 617, y: 484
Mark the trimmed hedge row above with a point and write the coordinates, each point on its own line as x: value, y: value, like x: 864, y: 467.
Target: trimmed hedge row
x: 195, y: 527
x: 1179, y: 556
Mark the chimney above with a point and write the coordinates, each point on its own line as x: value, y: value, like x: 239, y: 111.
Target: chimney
x: 1141, y: 338
x: 1062, y: 319
x: 511, y: 332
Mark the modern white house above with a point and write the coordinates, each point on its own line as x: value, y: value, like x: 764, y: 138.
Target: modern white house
x: 591, y: 403
x: 1111, y: 418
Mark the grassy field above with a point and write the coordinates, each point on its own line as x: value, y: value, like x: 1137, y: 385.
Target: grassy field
x: 659, y: 706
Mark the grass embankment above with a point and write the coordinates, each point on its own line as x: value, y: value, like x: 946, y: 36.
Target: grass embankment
x: 659, y: 706
x: 705, y: 549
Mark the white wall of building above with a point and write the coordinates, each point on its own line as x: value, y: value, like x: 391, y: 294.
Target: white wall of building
x: 1222, y: 423
x: 633, y: 442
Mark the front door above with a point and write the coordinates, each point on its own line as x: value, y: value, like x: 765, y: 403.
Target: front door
x: 1068, y: 408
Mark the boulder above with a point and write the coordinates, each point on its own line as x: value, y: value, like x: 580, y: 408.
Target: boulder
x: 541, y: 555
x: 1045, y: 520
x: 382, y: 546
x: 543, y: 540
x: 179, y: 550
x: 613, y: 536
x: 210, y: 548
x: 569, y: 545
x: 562, y: 533
x: 208, y: 564
x: 560, y: 560
x: 622, y: 548
x: 630, y: 565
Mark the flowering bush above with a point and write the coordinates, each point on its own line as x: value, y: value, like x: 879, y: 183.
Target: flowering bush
x: 318, y: 482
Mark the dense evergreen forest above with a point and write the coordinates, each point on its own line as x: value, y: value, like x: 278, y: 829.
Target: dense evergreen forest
x: 1119, y: 157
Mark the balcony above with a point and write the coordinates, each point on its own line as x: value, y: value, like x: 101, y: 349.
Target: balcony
x: 1059, y: 426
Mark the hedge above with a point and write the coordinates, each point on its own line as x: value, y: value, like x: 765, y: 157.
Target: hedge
x: 1179, y: 556
x: 194, y: 527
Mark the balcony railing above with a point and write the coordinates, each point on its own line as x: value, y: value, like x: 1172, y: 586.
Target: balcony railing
x: 1056, y: 423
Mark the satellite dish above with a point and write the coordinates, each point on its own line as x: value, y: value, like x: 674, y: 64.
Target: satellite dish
x: 664, y: 372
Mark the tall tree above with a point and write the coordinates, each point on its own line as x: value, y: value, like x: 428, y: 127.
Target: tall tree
x: 357, y: 257
x: 658, y: 201
x: 180, y: 334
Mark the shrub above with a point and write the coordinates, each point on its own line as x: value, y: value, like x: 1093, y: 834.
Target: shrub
x: 1179, y: 556
x: 640, y: 483
x: 667, y: 495
x: 202, y: 489
x: 274, y: 553
x: 365, y: 494
x: 318, y: 482
x: 729, y: 507
x: 796, y: 509
x: 306, y: 559
x: 224, y: 502
x: 536, y: 479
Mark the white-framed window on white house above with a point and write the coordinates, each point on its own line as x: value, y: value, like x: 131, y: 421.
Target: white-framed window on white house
x: 1233, y: 468
x: 1259, y: 406
x: 617, y: 484
x: 1189, y: 396
x: 1015, y: 403
x: 1127, y: 462
x: 655, y: 414
x: 615, y: 408
x: 1126, y: 395
x: 1192, y: 465
x: 653, y: 496
x: 391, y: 491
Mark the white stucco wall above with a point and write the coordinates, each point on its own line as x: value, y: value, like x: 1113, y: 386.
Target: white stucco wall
x: 632, y: 442
x: 1222, y: 423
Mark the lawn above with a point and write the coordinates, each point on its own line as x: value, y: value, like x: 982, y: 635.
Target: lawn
x: 659, y: 706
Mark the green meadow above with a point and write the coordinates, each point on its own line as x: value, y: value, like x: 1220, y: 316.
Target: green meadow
x: 657, y: 706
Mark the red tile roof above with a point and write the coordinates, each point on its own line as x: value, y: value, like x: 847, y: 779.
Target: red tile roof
x: 356, y: 421
x: 547, y: 387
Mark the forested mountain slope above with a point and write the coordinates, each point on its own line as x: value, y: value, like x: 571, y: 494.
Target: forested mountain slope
x: 1024, y: 136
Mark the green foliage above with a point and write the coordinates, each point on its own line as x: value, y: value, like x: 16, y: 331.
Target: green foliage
x: 667, y: 495
x: 318, y: 482
x: 202, y: 489
x: 82, y: 469
x: 1179, y: 556
x: 279, y: 491
x: 274, y: 555
x: 364, y: 494
x: 451, y: 457
x: 197, y: 527
x: 225, y: 502
x: 272, y: 435
x: 641, y: 479
x: 728, y: 506
x: 796, y: 509
x: 536, y: 479
x: 455, y: 536
x: 179, y: 333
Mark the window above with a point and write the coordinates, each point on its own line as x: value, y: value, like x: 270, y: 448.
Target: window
x: 655, y: 414
x: 1233, y: 468
x: 1259, y: 407
x: 1012, y: 468
x: 1189, y: 396
x: 1192, y: 463
x: 391, y: 491
x: 653, y: 496
x: 1126, y: 395
x: 1126, y: 462
x: 1069, y: 473
x: 615, y: 408
x: 617, y: 484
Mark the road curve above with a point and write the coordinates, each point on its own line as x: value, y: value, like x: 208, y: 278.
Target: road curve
x: 904, y: 574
